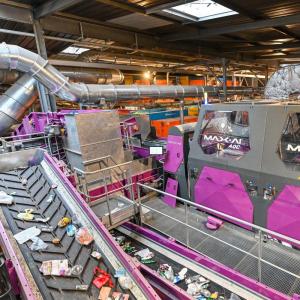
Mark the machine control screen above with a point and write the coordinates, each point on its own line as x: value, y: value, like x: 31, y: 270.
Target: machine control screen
x: 156, y: 150
x: 225, y: 133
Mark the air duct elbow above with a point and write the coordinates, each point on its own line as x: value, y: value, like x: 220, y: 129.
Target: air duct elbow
x: 16, y: 101
x: 89, y: 76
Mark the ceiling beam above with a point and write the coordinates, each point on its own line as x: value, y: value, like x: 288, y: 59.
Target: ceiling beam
x: 125, y: 6
x: 78, y: 28
x: 293, y: 45
x: 122, y: 67
x: 158, y: 8
x: 82, y: 28
x: 16, y: 14
x: 277, y: 57
x: 203, y: 33
x: 52, y: 6
x: 255, y: 15
x: 69, y: 24
x: 94, y: 55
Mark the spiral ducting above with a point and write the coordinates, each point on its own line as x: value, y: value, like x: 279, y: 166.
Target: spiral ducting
x: 8, y: 77
x: 89, y: 76
x: 16, y: 101
x: 16, y: 58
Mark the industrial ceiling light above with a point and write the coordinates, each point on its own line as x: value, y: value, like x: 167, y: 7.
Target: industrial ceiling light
x: 147, y: 75
x: 201, y: 10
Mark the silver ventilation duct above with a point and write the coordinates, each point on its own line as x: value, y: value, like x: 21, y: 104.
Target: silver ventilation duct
x: 15, y: 102
x: 100, y: 76
x: 17, y: 58
x: 8, y: 77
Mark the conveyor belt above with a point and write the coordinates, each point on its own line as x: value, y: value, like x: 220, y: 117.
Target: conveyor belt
x: 34, y: 196
x: 284, y: 257
x: 160, y: 258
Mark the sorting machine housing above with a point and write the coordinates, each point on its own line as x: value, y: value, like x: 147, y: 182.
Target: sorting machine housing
x: 244, y: 161
x: 176, y: 158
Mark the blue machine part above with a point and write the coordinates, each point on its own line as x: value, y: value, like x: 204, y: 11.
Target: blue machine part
x: 168, y: 114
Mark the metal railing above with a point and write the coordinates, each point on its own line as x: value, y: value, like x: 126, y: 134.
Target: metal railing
x: 123, y: 177
x: 33, y: 140
x: 260, y: 230
x: 104, y: 174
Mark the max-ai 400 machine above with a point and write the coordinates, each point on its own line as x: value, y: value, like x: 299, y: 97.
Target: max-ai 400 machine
x: 244, y: 161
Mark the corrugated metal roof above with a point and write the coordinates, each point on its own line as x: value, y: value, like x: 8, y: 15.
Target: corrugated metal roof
x: 249, y: 12
x: 96, y: 10
x: 140, y: 21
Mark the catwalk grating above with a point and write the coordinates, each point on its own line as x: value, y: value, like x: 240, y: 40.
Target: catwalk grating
x: 34, y: 195
x: 273, y: 252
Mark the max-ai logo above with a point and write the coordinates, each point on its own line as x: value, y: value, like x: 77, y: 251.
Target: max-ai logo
x: 293, y: 148
x: 222, y: 139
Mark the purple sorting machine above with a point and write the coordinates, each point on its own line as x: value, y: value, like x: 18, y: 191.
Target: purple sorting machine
x: 176, y: 157
x: 40, y: 122
x: 244, y: 161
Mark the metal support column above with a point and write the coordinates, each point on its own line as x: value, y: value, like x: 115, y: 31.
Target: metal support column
x: 181, y: 112
x: 224, y: 62
x: 48, y: 102
x: 267, y: 75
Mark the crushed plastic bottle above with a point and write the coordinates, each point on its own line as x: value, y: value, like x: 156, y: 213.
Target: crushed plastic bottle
x: 26, y: 215
x: 38, y: 244
x: 6, y: 199
x: 50, y: 199
x: 120, y: 240
x: 125, y: 282
x: 180, y: 276
x: 63, y: 222
x: 83, y: 236
x: 197, y: 287
x: 71, y: 230
x: 96, y: 255
x: 166, y: 271
x: 76, y: 270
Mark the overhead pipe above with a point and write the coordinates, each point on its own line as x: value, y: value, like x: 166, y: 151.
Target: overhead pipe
x: 99, y: 76
x: 17, y: 58
x: 15, y: 102
x: 8, y: 77
x: 89, y: 76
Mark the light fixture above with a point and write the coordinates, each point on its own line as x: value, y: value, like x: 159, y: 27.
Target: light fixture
x: 147, y: 75
x: 75, y: 50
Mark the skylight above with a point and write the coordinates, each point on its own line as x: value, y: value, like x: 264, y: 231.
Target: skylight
x: 74, y: 50
x: 201, y: 10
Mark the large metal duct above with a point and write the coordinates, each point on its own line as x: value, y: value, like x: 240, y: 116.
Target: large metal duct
x: 284, y: 83
x: 8, y: 77
x: 17, y: 58
x: 15, y: 102
x: 100, y: 76
x: 93, y: 76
